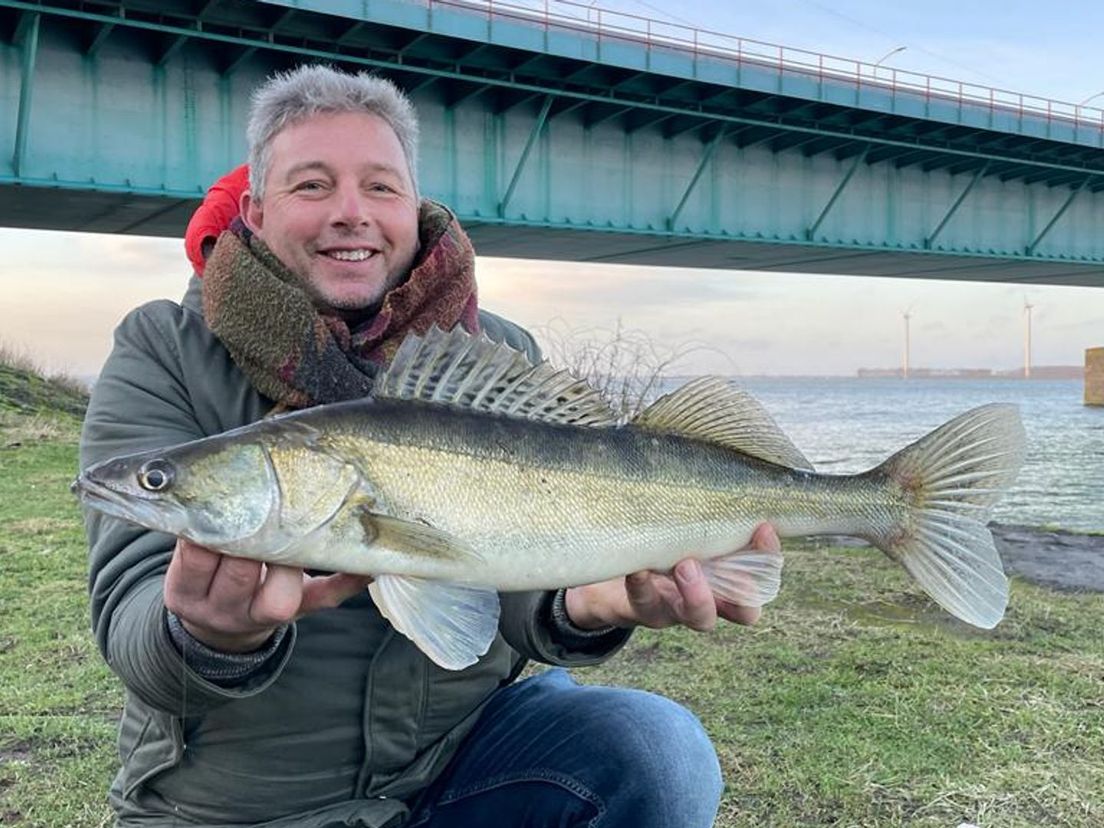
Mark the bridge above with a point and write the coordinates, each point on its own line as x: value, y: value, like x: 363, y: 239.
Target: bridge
x: 565, y: 132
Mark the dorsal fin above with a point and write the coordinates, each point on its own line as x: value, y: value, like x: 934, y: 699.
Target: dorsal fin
x: 457, y: 368
x: 708, y: 409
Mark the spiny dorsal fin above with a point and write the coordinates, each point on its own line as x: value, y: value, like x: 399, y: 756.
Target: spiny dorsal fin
x: 708, y: 409
x: 457, y: 368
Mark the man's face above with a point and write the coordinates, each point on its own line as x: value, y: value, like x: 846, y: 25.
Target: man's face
x: 339, y: 208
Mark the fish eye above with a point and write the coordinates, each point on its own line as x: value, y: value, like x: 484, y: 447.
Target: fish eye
x: 156, y: 475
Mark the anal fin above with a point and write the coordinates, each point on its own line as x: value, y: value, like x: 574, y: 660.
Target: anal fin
x: 453, y: 624
x: 749, y: 578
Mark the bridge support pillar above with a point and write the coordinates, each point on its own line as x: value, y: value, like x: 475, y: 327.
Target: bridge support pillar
x: 28, y: 35
x: 1094, y: 376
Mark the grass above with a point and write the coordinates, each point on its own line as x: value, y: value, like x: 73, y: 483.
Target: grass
x: 58, y: 703
x: 854, y: 702
x: 25, y: 389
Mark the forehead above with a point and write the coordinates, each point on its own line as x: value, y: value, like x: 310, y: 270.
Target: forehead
x: 337, y: 139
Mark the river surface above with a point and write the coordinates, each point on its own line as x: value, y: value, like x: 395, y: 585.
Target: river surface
x: 847, y: 425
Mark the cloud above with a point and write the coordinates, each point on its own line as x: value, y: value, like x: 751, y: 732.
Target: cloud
x: 631, y: 288
x: 64, y: 293
x: 101, y: 257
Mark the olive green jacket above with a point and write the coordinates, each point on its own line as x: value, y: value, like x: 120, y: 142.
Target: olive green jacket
x: 347, y: 721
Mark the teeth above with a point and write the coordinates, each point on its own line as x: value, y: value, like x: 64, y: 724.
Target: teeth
x: 350, y: 255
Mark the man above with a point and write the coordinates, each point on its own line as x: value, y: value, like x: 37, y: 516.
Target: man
x: 266, y: 696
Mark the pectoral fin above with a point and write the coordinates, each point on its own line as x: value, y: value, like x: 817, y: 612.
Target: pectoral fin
x: 415, y: 539
x: 749, y: 578
x: 452, y: 624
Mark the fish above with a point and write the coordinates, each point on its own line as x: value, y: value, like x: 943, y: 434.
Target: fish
x: 471, y: 471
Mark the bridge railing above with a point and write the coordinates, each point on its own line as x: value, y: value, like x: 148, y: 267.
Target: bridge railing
x: 606, y: 24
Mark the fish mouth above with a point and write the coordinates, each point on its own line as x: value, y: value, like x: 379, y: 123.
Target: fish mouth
x: 148, y: 514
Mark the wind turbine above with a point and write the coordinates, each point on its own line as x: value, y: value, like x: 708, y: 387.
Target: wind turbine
x: 1027, y: 338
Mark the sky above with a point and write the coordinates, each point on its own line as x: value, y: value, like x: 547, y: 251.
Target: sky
x: 62, y: 294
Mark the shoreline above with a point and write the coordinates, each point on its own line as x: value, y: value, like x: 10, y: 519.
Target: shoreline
x: 1059, y: 559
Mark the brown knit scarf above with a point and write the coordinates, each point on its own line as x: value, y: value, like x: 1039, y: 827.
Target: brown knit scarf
x: 300, y: 356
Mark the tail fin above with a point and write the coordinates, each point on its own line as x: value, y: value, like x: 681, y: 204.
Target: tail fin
x: 952, y: 477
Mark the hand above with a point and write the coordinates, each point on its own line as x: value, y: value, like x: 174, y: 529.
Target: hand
x: 657, y: 600
x: 234, y: 604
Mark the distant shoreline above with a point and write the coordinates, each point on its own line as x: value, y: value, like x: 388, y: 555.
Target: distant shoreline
x: 890, y: 376
x: 1040, y: 372
x: 1061, y: 559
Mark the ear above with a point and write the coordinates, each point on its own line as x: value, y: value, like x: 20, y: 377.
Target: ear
x: 252, y: 213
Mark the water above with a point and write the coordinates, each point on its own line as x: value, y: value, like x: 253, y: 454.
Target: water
x: 849, y: 425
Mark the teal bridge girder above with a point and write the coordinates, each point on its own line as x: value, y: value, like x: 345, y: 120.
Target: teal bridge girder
x: 553, y: 137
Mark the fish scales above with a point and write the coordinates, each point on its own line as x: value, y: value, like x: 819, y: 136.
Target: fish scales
x: 555, y: 495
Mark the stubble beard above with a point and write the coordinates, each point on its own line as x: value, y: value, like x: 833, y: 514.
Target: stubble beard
x: 353, y: 307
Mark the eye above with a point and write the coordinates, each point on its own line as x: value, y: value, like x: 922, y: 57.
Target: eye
x: 156, y: 475
x: 312, y: 186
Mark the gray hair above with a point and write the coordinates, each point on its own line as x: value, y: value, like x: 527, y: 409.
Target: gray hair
x: 288, y: 98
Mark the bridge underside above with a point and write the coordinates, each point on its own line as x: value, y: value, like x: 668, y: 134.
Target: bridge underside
x: 634, y: 249
x: 549, y: 145
x: 120, y: 213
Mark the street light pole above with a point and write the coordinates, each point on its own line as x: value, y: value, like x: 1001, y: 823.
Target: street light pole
x: 890, y: 54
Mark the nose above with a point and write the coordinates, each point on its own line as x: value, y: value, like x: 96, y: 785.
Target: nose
x: 351, y: 207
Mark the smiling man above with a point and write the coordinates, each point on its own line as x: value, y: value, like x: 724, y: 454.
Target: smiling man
x: 269, y: 696
x: 338, y: 206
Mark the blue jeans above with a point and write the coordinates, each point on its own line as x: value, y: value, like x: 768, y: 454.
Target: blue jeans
x: 549, y: 752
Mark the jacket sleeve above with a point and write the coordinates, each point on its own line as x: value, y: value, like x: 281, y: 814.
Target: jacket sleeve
x: 529, y: 626
x: 141, y: 401
x: 219, y: 208
x: 528, y: 622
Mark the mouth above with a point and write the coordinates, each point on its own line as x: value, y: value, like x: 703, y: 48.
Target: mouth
x: 101, y: 498
x: 104, y: 499
x: 95, y: 494
x: 350, y: 254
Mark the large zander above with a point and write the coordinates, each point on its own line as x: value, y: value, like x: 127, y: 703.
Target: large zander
x: 470, y: 471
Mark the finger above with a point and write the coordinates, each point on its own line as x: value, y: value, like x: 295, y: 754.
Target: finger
x: 277, y: 600
x: 188, y: 578
x: 645, y: 602
x: 738, y: 614
x: 697, y: 608
x: 330, y: 591
x: 189, y: 574
x: 233, y: 587
x: 765, y: 539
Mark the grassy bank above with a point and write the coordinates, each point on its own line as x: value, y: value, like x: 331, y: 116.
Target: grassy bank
x: 853, y: 703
